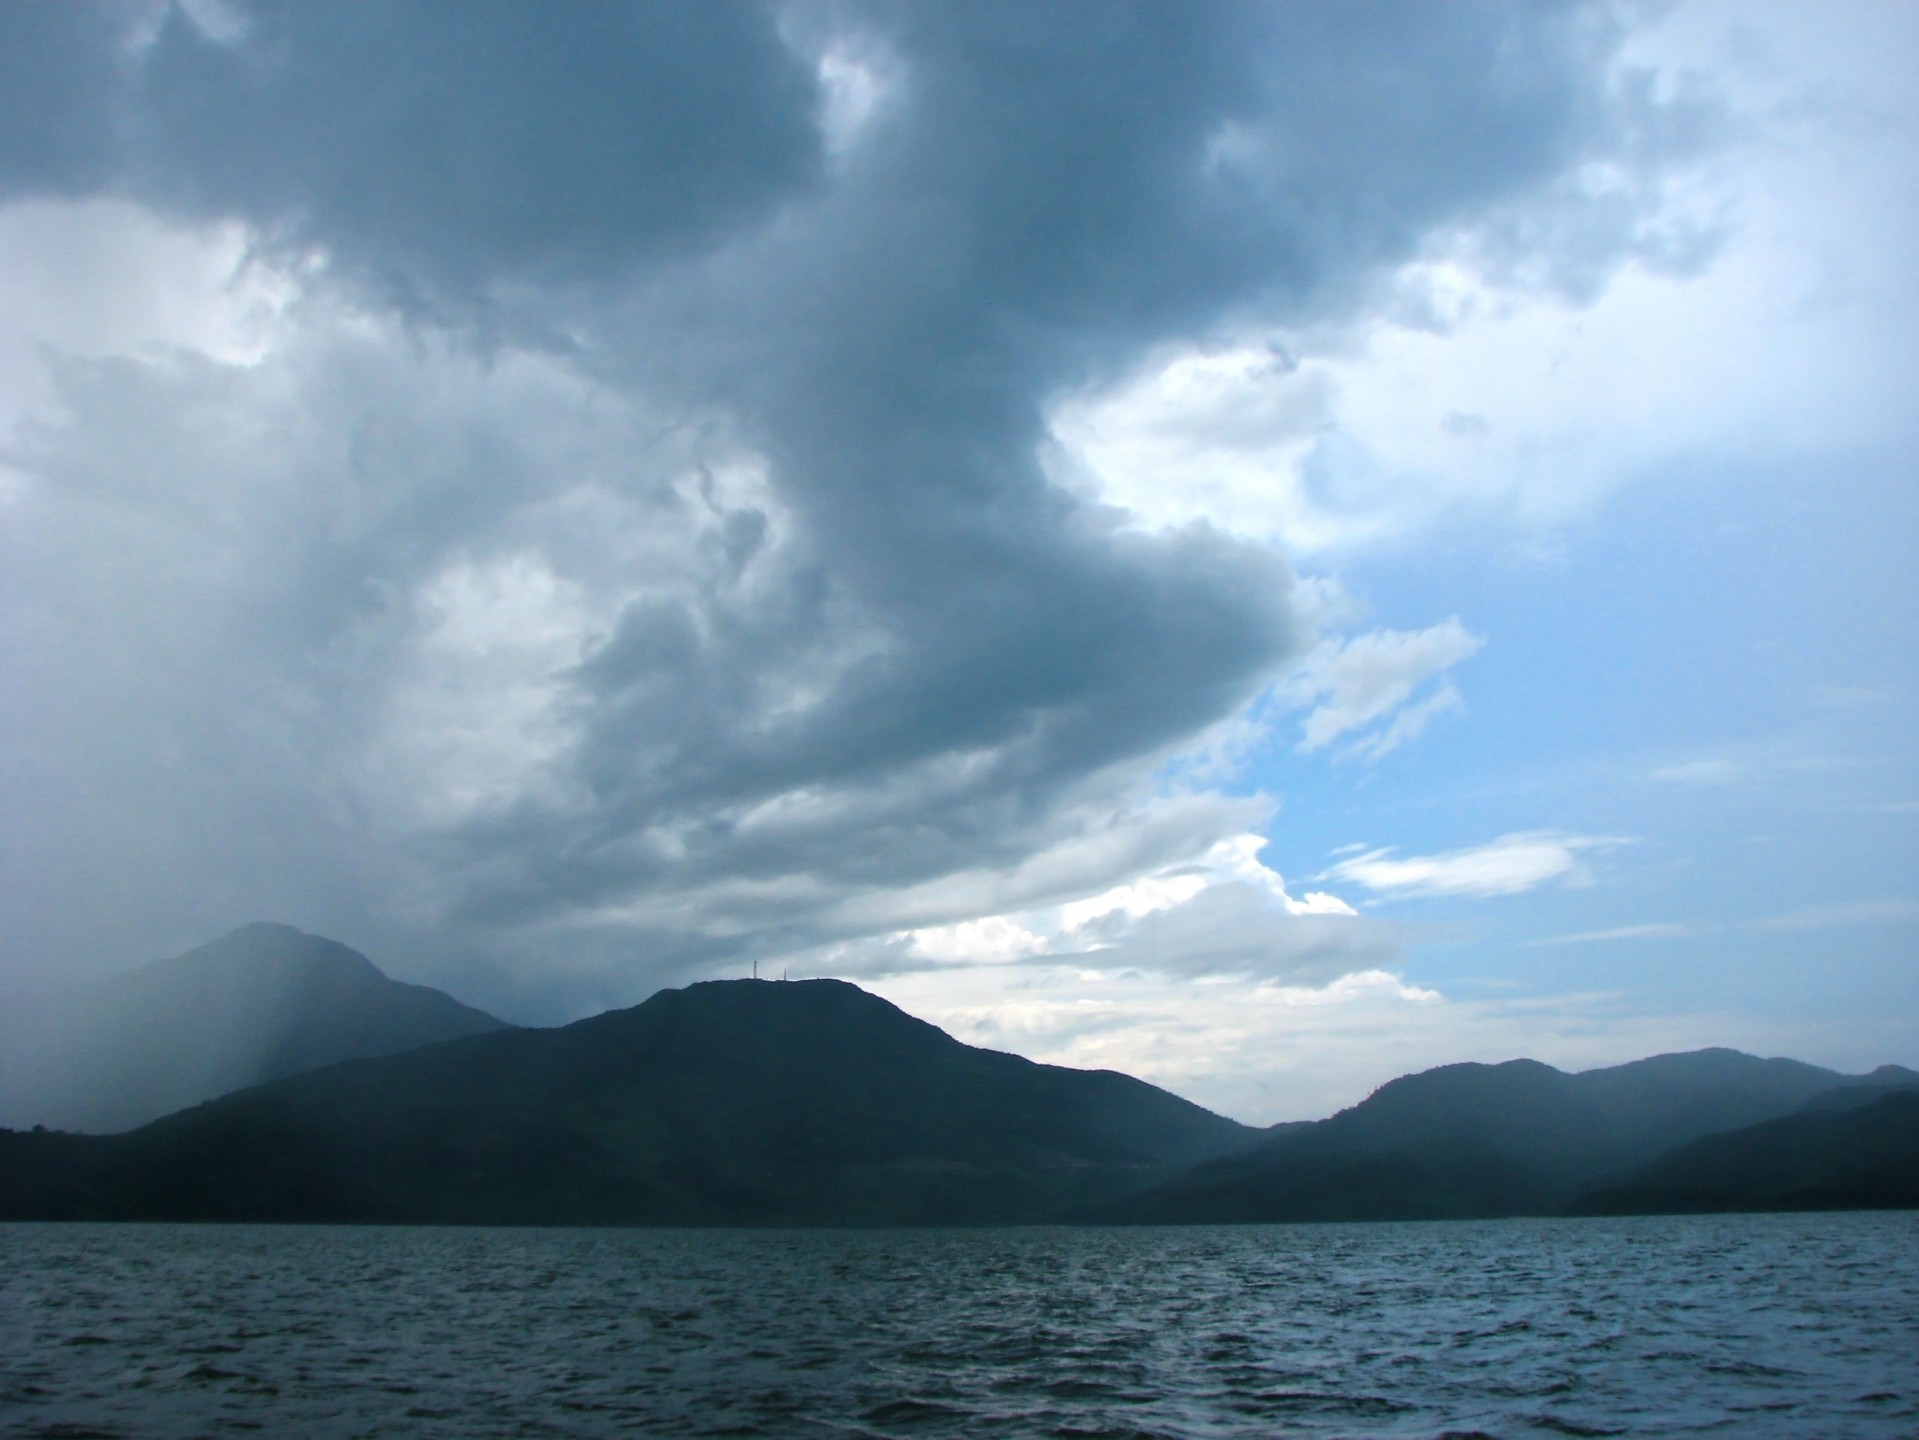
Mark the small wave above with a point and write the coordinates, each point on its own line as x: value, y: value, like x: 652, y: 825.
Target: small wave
x: 1561, y: 1425
x: 1748, y: 1367
x: 1329, y: 1402
x: 910, y: 1411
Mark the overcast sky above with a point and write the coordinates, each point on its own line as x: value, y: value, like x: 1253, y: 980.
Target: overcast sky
x: 1266, y: 546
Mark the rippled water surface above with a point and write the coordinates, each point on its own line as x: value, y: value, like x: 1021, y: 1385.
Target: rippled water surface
x: 1735, y: 1325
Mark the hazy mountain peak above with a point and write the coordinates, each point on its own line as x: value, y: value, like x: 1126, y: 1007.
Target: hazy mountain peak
x: 260, y: 931
x: 262, y: 950
x: 1899, y: 1075
x: 263, y: 1001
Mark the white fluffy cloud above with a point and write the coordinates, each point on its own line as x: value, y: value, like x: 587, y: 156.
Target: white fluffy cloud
x: 1506, y: 866
x: 1278, y: 1050
x: 1355, y: 683
x: 1724, y: 285
x: 1214, y: 910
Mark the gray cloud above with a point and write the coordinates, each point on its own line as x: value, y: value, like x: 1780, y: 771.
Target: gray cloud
x: 60, y: 81
x: 753, y: 442
x: 433, y: 150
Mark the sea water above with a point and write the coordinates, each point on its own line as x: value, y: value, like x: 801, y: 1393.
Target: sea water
x: 1798, y: 1325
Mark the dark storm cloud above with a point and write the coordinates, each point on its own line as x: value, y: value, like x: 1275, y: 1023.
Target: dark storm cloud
x: 1046, y: 192
x: 908, y: 655
x: 435, y: 147
x: 60, y: 88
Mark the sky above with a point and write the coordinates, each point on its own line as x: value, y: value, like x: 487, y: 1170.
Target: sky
x: 1265, y: 546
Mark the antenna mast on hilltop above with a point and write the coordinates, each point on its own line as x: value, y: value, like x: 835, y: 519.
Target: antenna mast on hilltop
x: 756, y: 969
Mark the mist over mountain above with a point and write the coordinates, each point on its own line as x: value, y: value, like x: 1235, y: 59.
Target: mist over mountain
x: 1520, y: 1138
x: 263, y: 1002
x: 729, y: 1102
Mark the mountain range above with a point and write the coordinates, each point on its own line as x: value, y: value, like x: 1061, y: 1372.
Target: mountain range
x: 742, y: 1102
x: 814, y: 1102
x: 1519, y: 1138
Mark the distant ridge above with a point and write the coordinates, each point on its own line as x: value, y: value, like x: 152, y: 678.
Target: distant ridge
x: 1519, y: 1138
x: 263, y: 1002
x: 730, y: 1102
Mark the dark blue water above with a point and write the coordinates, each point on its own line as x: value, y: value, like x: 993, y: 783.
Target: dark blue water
x: 1801, y: 1326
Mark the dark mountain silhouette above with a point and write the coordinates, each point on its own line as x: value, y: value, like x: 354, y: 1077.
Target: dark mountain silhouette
x: 1828, y: 1157
x: 263, y: 1002
x: 747, y: 1102
x: 1483, y: 1140
x: 735, y: 1102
